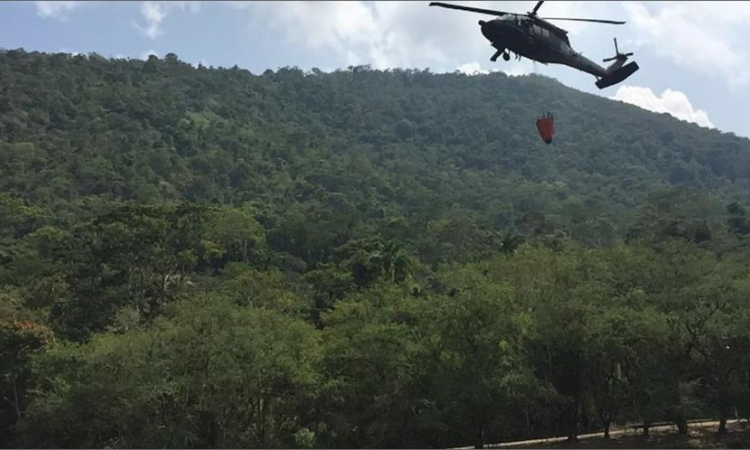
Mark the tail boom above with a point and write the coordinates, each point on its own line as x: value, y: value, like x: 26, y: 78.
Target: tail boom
x: 618, y: 71
x: 617, y: 75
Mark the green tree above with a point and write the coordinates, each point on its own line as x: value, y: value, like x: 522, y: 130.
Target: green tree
x: 374, y: 394
x: 209, y: 374
x: 21, y: 337
x: 476, y: 339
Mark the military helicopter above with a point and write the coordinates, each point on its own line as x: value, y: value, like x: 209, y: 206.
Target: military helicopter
x: 535, y: 38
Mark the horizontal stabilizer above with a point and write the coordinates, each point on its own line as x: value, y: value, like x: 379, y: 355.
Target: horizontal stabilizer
x: 617, y: 76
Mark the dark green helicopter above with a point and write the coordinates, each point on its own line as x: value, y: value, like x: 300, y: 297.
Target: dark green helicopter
x: 536, y: 39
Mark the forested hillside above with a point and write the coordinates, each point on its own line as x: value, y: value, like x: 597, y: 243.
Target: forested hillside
x: 201, y: 257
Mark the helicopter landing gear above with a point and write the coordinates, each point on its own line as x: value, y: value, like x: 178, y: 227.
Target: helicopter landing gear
x: 503, y: 52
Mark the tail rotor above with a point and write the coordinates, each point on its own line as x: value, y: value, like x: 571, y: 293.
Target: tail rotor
x: 618, y: 55
x: 618, y: 70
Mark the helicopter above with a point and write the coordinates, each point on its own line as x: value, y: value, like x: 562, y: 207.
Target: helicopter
x: 537, y: 39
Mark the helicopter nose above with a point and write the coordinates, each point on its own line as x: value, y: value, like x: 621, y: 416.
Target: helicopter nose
x: 487, y: 29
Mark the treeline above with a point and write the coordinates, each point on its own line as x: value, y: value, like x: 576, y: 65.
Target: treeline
x: 194, y: 257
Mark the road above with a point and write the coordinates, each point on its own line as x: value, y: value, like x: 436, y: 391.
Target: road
x: 612, y: 433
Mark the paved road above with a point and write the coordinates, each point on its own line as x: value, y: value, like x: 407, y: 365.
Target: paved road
x: 701, y: 424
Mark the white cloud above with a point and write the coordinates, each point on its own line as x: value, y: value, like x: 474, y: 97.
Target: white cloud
x: 517, y: 69
x: 56, y: 10
x: 156, y: 12
x: 512, y: 69
x: 672, y: 102
x: 149, y: 53
x: 472, y: 68
x: 65, y: 50
x: 383, y: 34
x: 706, y: 37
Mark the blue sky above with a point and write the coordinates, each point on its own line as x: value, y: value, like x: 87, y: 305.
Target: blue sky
x: 693, y: 57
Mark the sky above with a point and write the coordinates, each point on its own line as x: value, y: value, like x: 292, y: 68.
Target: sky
x: 693, y: 58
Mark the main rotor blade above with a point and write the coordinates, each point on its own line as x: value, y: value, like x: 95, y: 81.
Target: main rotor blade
x: 536, y: 8
x: 469, y: 8
x: 613, y: 22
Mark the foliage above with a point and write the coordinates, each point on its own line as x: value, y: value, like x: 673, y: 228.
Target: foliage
x: 195, y: 257
x: 207, y: 374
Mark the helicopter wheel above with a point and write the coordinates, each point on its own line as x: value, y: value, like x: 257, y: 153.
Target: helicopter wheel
x: 506, y: 56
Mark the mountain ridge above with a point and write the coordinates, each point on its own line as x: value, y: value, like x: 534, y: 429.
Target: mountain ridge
x: 162, y: 129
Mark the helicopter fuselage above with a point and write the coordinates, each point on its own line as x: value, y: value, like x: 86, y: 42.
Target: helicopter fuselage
x: 537, y: 40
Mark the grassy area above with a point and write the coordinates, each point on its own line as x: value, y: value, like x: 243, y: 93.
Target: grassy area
x: 698, y: 437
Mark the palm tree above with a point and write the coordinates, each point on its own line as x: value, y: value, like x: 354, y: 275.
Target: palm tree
x: 392, y: 261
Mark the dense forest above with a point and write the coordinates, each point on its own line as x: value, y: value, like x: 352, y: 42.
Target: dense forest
x: 204, y: 257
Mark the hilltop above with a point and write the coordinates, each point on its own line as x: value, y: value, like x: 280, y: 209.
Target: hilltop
x: 402, y: 143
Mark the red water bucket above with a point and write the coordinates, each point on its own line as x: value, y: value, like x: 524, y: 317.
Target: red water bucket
x: 546, y: 127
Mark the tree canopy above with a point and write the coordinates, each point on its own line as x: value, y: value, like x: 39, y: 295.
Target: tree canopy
x: 204, y: 257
